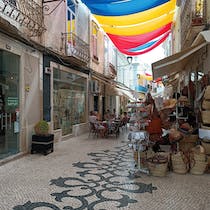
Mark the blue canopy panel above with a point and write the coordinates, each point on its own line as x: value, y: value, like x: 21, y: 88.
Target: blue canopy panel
x: 144, y: 46
x: 118, y: 8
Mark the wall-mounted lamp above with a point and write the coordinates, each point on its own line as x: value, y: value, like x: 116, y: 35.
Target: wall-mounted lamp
x: 129, y: 59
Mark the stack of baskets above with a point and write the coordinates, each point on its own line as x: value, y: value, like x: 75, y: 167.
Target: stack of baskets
x: 206, y: 109
x: 206, y: 145
x: 158, y: 164
x: 205, y: 141
x: 180, y: 163
x: 198, y: 160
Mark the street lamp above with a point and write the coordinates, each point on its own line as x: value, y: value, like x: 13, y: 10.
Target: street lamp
x: 129, y: 59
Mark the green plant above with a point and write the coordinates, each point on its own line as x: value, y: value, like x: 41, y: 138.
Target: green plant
x: 41, y: 128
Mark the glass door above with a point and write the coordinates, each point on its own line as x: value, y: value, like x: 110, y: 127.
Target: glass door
x: 9, y: 103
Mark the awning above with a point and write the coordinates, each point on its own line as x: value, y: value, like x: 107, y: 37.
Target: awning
x: 116, y: 88
x: 203, y: 36
x: 174, y: 63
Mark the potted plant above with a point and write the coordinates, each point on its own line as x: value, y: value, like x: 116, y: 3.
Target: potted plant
x: 42, y: 140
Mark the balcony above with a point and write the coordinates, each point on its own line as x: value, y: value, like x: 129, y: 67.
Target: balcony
x: 24, y: 14
x: 193, y: 18
x: 75, y: 49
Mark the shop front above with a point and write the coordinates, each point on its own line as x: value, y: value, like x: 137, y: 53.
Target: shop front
x: 20, y: 91
x: 9, y: 103
x: 69, y: 93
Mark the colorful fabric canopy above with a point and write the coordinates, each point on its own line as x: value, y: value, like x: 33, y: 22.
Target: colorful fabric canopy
x: 128, y: 42
x: 140, y: 28
x: 122, y: 7
x: 137, y: 17
x: 135, y: 27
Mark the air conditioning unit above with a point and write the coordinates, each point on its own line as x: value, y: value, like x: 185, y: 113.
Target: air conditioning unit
x: 94, y: 86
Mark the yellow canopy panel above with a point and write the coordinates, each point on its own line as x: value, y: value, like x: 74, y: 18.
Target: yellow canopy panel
x: 140, y: 28
x: 137, y: 17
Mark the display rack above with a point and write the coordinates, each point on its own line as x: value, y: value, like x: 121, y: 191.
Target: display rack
x: 139, y: 140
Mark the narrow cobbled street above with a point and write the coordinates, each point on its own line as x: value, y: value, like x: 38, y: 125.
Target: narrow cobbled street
x: 86, y: 172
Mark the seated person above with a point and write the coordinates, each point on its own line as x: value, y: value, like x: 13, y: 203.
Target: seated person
x: 108, y: 116
x: 93, y: 119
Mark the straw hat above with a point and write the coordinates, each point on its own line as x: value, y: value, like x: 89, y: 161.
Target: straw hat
x: 169, y: 104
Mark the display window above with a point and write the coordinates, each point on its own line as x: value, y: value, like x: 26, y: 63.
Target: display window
x: 69, y: 100
x: 9, y: 103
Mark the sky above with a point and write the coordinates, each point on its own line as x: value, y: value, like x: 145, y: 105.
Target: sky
x: 152, y: 56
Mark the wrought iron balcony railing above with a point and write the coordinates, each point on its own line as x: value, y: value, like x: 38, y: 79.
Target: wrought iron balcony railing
x: 26, y: 13
x: 73, y: 46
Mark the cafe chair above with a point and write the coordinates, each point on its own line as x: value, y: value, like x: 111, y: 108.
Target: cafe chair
x: 93, y: 130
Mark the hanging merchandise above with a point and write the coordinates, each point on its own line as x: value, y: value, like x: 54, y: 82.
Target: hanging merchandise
x: 134, y: 28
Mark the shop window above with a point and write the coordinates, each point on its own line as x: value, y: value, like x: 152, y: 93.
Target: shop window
x: 69, y: 100
x: 9, y: 104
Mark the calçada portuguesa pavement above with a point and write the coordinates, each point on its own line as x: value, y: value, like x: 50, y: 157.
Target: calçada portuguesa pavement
x: 86, y: 172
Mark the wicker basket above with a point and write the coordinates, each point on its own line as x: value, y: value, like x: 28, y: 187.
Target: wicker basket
x: 206, y: 104
x: 206, y: 145
x: 208, y: 160
x: 198, y: 163
x: 158, y: 169
x: 199, y: 168
x: 158, y: 165
x: 206, y: 117
x: 205, y: 127
x: 207, y: 93
x: 198, y: 157
x: 180, y: 163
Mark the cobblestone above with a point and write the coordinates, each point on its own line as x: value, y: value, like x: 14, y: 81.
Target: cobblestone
x: 90, y: 173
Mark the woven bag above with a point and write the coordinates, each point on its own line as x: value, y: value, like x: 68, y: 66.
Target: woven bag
x: 198, y: 163
x: 206, y: 144
x: 205, y: 127
x: 206, y: 117
x: 180, y: 163
x: 206, y: 104
x: 207, y: 93
x: 158, y: 165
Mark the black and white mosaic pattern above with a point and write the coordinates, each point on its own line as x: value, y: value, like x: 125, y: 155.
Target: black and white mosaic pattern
x: 102, y: 183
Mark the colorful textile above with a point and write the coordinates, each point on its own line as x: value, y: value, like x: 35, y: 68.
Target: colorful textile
x: 127, y: 42
x: 140, y: 28
x: 127, y: 52
x: 137, y: 17
x: 121, y: 7
x: 135, y: 27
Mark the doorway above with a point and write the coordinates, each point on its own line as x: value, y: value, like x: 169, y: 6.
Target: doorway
x: 9, y: 103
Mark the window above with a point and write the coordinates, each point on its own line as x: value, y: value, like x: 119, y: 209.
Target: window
x: 95, y: 40
x: 69, y: 100
x: 71, y: 21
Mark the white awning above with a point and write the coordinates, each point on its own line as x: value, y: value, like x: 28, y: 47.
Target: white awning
x: 203, y: 36
x: 174, y: 63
